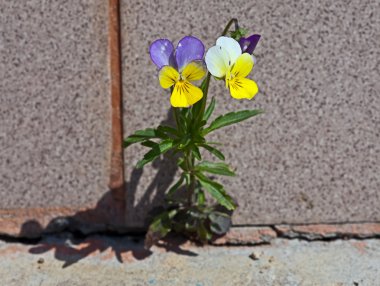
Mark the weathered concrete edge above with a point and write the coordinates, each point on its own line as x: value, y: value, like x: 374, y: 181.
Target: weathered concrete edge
x: 329, y: 231
x: 29, y: 222
x: 247, y: 236
x: 34, y: 222
x: 265, y: 234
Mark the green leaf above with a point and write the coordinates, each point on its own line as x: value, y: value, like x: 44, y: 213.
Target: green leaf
x: 217, y: 191
x: 149, y: 144
x: 190, y: 227
x: 143, y: 135
x: 149, y: 132
x: 205, y: 83
x: 185, y: 141
x: 176, y: 185
x: 213, y: 151
x: 197, y: 213
x: 176, y: 112
x: 161, y: 222
x: 209, y: 109
x: 220, y: 222
x: 169, y: 130
x: 237, y: 34
x: 201, y: 198
x: 198, y: 138
x: 214, y: 143
x: 196, y: 153
x: 202, y: 123
x: 181, y: 163
x: 160, y: 227
x: 187, y: 179
x: 215, y: 168
x: 199, y: 108
x: 155, y: 152
x: 231, y: 118
x: 204, y: 86
x: 203, y: 233
x: 184, y: 119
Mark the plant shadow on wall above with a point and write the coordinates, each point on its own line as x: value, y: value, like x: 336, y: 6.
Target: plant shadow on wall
x: 70, y: 237
x: 64, y: 236
x: 152, y: 200
x: 76, y: 237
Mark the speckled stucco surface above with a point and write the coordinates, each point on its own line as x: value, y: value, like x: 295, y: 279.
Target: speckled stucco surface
x: 118, y: 261
x: 314, y: 155
x: 54, y: 103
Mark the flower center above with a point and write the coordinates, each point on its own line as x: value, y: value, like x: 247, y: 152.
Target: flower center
x: 230, y: 78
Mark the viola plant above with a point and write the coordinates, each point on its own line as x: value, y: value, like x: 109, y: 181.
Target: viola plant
x: 197, y: 205
x: 180, y: 67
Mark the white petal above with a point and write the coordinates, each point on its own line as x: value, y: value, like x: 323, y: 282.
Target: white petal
x: 231, y: 46
x: 254, y: 59
x: 217, y: 61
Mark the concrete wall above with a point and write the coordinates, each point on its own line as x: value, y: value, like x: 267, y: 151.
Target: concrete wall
x: 314, y: 155
x: 54, y: 106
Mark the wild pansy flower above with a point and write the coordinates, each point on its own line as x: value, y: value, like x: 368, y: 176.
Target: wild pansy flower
x: 232, y: 61
x: 249, y: 44
x: 226, y: 60
x: 179, y: 67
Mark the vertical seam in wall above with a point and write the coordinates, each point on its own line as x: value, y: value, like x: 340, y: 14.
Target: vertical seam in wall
x: 116, y: 182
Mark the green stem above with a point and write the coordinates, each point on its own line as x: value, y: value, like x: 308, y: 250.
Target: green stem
x: 207, y: 80
x: 189, y: 159
x: 233, y: 20
x: 176, y: 118
x: 204, y: 99
x: 199, y: 110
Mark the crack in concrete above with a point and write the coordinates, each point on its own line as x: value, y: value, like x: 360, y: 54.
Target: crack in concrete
x: 281, y: 232
x: 291, y: 233
x: 72, y: 235
x: 23, y: 240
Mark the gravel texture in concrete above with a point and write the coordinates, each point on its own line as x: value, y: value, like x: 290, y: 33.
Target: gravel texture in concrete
x: 54, y: 103
x: 101, y: 260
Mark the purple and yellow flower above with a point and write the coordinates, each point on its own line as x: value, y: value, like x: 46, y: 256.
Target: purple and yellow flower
x: 179, y: 67
x: 226, y: 61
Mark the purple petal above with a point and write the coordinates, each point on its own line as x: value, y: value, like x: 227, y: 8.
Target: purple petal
x: 249, y: 44
x: 160, y: 52
x: 188, y: 49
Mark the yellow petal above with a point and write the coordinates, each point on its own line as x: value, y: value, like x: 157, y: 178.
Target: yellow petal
x: 243, y: 88
x: 243, y: 65
x: 185, y: 94
x: 193, y: 71
x: 168, y: 76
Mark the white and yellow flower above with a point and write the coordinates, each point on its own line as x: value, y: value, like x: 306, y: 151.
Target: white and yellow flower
x: 226, y: 61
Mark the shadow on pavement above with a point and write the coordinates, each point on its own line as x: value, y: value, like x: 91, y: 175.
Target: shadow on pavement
x: 71, y: 251
x: 104, y: 228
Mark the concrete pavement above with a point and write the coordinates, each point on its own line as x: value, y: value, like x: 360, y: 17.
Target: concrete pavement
x: 122, y: 260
